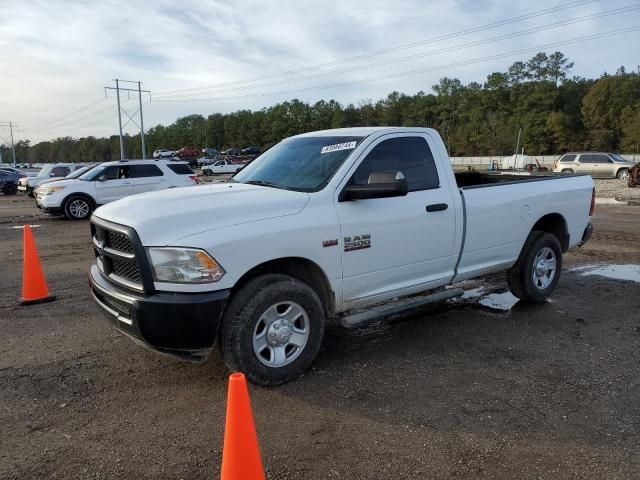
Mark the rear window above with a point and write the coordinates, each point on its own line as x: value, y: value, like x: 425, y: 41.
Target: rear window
x: 181, y: 168
x: 567, y: 158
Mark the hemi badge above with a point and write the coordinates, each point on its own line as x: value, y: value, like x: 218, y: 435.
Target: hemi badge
x: 330, y: 243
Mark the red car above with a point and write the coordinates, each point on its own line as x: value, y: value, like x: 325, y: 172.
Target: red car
x: 186, y: 152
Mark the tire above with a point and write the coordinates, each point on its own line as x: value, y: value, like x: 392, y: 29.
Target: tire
x: 249, y: 339
x: 78, y: 207
x: 623, y: 174
x: 10, y: 189
x: 30, y: 192
x: 525, y: 280
x: 567, y: 170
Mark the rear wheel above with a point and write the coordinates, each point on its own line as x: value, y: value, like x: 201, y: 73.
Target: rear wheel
x: 567, y: 170
x: 623, y: 174
x: 78, y: 208
x: 10, y: 189
x: 272, y: 329
x: 537, y: 271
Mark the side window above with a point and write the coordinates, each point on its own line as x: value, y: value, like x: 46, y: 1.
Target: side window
x: 146, y: 170
x: 567, y: 158
x: 600, y: 159
x: 409, y: 155
x: 115, y: 173
x: 586, y: 158
x: 60, y: 171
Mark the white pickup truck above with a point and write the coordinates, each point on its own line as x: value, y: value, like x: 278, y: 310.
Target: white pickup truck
x: 326, y: 225
x: 221, y: 166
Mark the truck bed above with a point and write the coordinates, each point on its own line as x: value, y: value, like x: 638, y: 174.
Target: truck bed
x: 466, y: 180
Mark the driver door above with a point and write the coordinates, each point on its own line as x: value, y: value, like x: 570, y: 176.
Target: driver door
x: 113, y: 184
x: 393, y: 245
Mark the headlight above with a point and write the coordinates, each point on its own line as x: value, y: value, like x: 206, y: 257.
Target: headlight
x: 44, y: 191
x: 183, y: 265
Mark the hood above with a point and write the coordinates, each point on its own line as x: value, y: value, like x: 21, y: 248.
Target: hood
x: 166, y: 216
x: 59, y: 181
x: 50, y: 180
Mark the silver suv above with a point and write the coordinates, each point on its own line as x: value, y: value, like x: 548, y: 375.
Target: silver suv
x: 602, y: 165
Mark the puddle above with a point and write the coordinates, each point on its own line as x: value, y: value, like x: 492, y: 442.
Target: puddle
x: 499, y: 301
x: 473, y: 293
x: 617, y: 272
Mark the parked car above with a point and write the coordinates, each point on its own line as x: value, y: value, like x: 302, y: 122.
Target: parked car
x: 55, y: 170
x: 79, y: 172
x: 210, y: 152
x: 251, y: 151
x: 10, y: 169
x: 187, y: 152
x: 325, y: 224
x: 77, y: 198
x: 163, y: 153
x: 596, y: 164
x: 202, y: 161
x: 9, y: 181
x: 235, y: 152
x: 221, y: 166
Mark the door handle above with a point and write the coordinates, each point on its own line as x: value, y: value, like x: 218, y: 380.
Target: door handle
x: 437, y: 207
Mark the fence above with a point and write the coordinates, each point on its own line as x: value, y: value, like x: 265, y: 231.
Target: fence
x: 484, y: 163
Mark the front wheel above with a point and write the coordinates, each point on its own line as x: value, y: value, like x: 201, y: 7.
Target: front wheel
x: 623, y: 174
x: 272, y: 329
x: 10, y: 189
x: 78, y: 208
x: 537, y: 271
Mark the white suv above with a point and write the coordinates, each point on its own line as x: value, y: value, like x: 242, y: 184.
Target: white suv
x: 56, y: 170
x: 77, y: 198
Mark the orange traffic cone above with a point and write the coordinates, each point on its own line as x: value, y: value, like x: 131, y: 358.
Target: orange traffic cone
x: 34, y: 285
x: 241, y: 454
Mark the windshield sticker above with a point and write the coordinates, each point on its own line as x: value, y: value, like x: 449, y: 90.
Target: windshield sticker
x: 338, y: 146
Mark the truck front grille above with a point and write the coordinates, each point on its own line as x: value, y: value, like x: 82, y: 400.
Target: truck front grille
x: 119, y: 241
x: 115, y: 251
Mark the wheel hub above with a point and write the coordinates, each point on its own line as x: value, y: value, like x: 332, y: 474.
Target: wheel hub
x: 279, y: 332
x: 542, y: 268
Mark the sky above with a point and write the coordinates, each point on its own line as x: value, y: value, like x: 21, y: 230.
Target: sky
x: 209, y: 56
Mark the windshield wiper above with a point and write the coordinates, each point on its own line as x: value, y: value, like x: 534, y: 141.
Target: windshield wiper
x: 263, y: 183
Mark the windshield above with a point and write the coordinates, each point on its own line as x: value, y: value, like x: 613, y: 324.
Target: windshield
x: 305, y: 164
x: 617, y: 157
x: 80, y: 171
x: 93, y: 173
x: 45, y: 171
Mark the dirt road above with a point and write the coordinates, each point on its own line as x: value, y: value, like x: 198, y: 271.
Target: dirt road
x: 460, y: 391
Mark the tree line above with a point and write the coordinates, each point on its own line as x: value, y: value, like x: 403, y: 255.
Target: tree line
x: 552, y: 112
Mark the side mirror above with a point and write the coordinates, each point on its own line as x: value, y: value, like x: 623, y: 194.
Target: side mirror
x: 102, y: 178
x: 52, y: 174
x: 381, y: 185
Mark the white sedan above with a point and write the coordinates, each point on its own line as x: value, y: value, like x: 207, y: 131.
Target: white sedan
x: 221, y: 166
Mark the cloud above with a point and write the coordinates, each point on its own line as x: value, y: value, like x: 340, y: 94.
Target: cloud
x: 59, y: 54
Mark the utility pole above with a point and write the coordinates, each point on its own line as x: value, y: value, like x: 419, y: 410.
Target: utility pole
x: 118, y: 89
x: 518, y: 143
x: 144, y: 151
x: 13, y: 148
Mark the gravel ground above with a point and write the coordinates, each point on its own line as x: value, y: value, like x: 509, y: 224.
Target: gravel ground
x: 617, y: 189
x: 454, y: 392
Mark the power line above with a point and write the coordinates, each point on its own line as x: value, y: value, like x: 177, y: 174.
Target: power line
x: 434, y: 52
x: 422, y: 70
x: 527, y: 16
x: 75, y: 112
